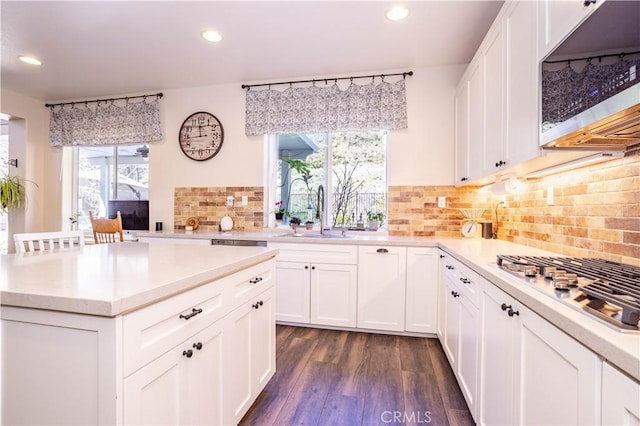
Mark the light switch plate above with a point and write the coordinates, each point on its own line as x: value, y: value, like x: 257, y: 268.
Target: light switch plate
x: 229, y: 201
x: 442, y: 202
x: 245, y: 200
x: 550, y: 195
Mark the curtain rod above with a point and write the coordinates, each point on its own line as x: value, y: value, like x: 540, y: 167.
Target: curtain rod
x: 318, y: 80
x: 589, y: 58
x: 159, y: 95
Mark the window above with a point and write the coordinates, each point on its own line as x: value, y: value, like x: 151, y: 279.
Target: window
x: 351, y: 166
x: 107, y: 173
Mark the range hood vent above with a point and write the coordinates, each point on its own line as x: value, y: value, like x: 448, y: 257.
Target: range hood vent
x: 613, y: 125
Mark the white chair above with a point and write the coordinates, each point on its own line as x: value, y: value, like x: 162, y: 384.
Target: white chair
x: 47, y: 240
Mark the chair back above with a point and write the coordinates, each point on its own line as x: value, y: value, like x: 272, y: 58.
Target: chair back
x: 107, y: 230
x: 47, y: 240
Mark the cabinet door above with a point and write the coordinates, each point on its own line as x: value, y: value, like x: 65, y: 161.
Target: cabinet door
x: 494, y: 156
x: 462, y: 133
x: 249, y: 354
x: 422, y: 290
x: 452, y: 323
x: 559, y: 379
x: 442, y: 298
x: 205, y: 373
x: 334, y: 290
x: 292, y: 291
x: 499, y: 340
x: 620, y: 398
x: 468, y: 371
x: 381, y: 287
x: 159, y: 392
x: 237, y: 362
x: 476, y: 120
x: 522, y: 91
x: 263, y: 342
x: 558, y: 19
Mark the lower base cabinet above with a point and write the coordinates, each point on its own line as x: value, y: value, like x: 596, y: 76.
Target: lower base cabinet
x: 199, y: 357
x: 531, y: 372
x: 190, y: 375
x: 620, y: 398
x: 249, y: 354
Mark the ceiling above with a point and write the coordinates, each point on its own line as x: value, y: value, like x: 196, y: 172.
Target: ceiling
x: 91, y: 48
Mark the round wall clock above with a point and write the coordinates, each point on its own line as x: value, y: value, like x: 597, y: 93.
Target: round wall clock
x: 201, y: 136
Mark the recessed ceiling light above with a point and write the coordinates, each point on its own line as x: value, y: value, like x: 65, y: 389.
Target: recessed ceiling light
x: 397, y: 13
x: 212, y: 36
x: 30, y: 60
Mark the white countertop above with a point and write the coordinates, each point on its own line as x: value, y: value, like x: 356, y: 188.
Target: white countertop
x: 111, y: 279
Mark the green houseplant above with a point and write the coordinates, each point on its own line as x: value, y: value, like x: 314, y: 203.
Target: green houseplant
x: 12, y: 193
x: 375, y: 220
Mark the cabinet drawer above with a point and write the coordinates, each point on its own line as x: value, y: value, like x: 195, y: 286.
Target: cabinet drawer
x: 467, y: 280
x: 153, y: 330
x: 247, y: 284
x: 317, y: 253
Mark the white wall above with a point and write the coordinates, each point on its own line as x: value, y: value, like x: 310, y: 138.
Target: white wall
x: 420, y: 155
x: 38, y: 163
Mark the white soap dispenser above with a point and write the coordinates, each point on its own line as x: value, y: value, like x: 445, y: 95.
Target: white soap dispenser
x: 226, y: 224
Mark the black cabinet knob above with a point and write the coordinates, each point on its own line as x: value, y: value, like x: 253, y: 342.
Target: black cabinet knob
x: 198, y: 345
x: 187, y: 353
x: 455, y: 294
x: 511, y: 312
x: 464, y: 179
x: 442, y: 256
x: 504, y: 306
x: 306, y: 266
x: 313, y: 268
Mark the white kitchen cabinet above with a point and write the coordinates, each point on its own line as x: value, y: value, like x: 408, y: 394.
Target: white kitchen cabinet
x: 172, y: 362
x: 462, y: 132
x: 421, y: 307
x: 493, y: 148
x: 620, y: 397
x: 531, y: 372
x: 442, y: 297
x: 558, y: 19
x: 316, y: 284
x: 476, y: 118
x: 520, y: 27
x: 334, y: 290
x: 187, y: 379
x: 249, y: 354
x: 293, y: 292
x: 381, y: 287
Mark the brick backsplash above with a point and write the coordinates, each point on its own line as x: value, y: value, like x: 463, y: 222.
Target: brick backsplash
x: 596, y: 211
x: 209, y: 205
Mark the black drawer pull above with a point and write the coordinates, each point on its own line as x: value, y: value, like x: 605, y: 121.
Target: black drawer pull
x: 511, y: 312
x: 382, y: 250
x: 257, y: 304
x: 455, y: 294
x: 465, y: 280
x: 193, y: 313
x: 255, y: 280
x: 188, y: 353
x: 504, y: 306
x: 198, y: 345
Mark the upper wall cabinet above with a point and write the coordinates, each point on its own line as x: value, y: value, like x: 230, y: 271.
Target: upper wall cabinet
x: 497, y: 128
x: 557, y: 19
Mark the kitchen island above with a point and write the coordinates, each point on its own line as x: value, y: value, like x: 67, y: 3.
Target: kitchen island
x: 136, y: 333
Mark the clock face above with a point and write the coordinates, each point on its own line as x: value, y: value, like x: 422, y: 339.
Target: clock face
x: 201, y: 136
x: 469, y: 229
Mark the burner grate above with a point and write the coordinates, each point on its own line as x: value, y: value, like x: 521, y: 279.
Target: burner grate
x: 612, y: 282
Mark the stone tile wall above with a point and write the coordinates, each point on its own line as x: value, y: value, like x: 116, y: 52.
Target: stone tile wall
x: 209, y: 205
x: 596, y: 211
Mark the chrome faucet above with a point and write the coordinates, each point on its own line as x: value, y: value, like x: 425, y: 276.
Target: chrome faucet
x: 320, y: 208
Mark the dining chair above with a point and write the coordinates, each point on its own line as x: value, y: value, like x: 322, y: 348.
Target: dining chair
x: 40, y: 241
x: 107, y: 230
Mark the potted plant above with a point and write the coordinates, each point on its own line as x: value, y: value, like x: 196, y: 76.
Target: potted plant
x: 279, y: 211
x: 12, y: 193
x: 375, y: 220
x: 308, y: 225
x: 294, y: 222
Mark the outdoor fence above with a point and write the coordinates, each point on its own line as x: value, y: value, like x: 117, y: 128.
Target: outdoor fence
x: 355, y: 210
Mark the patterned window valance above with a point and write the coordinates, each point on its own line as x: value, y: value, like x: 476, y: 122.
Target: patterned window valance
x: 317, y: 109
x: 108, y: 123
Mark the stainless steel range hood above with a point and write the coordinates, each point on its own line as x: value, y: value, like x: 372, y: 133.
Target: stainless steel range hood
x: 612, y: 125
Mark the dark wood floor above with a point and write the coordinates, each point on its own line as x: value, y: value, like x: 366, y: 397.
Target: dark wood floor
x: 327, y: 377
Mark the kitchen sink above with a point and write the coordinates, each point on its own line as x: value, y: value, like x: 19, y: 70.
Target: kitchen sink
x: 316, y: 235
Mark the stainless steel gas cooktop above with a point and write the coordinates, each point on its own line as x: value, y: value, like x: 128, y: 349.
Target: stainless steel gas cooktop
x: 609, y: 291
